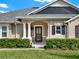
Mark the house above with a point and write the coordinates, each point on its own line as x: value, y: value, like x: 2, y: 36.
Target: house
x: 57, y: 19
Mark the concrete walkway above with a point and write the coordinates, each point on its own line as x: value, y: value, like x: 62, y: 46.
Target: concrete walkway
x: 22, y: 49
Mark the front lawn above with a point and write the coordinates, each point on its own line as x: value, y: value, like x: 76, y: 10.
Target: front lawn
x: 40, y: 54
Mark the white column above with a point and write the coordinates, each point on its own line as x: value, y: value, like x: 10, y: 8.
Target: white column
x: 29, y: 30
x: 16, y: 29
x: 10, y: 31
x: 24, y: 30
x: 48, y: 30
x: 16, y: 35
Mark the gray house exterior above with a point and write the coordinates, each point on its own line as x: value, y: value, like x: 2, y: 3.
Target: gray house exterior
x: 57, y: 19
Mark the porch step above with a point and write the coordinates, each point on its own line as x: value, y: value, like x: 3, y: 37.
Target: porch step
x: 38, y: 46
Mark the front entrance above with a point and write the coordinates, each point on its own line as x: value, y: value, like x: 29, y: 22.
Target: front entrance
x: 38, y: 33
x: 77, y: 31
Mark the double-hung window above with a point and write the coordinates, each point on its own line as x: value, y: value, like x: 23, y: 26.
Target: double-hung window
x: 4, y: 31
x: 58, y: 29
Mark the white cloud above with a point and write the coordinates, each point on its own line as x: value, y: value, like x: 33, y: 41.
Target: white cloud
x: 43, y: 0
x: 78, y: 6
x: 3, y: 11
x: 3, y: 5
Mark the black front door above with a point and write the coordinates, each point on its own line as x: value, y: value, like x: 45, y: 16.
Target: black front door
x: 38, y: 33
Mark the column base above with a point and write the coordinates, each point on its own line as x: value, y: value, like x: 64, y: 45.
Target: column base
x: 27, y: 38
x: 24, y: 38
x: 47, y: 37
x: 30, y: 38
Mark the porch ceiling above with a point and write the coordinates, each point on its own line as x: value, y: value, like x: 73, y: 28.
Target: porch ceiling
x: 46, y: 16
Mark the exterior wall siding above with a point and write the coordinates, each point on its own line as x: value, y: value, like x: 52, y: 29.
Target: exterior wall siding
x: 19, y: 33
x: 12, y: 29
x: 19, y: 30
x: 14, y: 33
x: 53, y: 23
x: 72, y: 25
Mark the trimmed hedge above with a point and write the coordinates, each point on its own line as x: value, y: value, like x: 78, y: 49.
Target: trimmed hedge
x: 63, y: 43
x: 14, y: 43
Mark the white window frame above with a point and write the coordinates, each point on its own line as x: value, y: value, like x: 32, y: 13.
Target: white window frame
x: 42, y: 29
x: 4, y: 31
x: 56, y: 29
x: 7, y: 25
x: 57, y: 24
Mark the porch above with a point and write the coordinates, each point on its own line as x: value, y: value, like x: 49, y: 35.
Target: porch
x: 38, y: 30
x: 39, y: 27
x: 48, y: 26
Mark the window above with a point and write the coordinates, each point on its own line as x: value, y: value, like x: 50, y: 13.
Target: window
x: 4, y: 31
x: 58, y: 29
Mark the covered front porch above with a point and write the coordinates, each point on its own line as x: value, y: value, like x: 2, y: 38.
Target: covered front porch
x: 38, y: 27
x: 36, y: 30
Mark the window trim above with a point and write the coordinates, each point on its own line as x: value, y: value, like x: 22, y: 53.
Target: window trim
x: 56, y: 29
x: 4, y: 31
x: 42, y: 29
x: 57, y: 24
x: 3, y: 34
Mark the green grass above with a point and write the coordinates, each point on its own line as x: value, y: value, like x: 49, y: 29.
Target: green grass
x: 38, y: 54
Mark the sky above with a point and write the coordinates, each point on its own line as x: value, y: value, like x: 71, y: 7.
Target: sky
x: 12, y: 5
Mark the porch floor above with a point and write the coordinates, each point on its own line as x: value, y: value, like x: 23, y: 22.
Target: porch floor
x: 38, y: 44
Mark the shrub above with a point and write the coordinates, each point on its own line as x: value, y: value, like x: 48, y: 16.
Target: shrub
x: 14, y: 43
x: 63, y: 43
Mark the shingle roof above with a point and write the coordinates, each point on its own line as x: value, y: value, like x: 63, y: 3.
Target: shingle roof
x: 11, y: 16
x: 59, y: 10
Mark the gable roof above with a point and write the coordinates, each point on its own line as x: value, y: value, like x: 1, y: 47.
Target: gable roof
x: 45, y: 6
x: 59, y: 10
x: 10, y: 17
